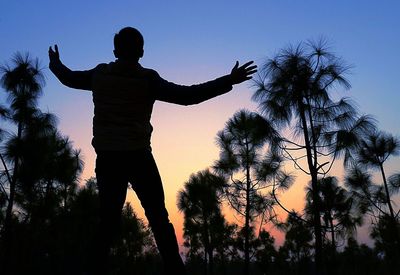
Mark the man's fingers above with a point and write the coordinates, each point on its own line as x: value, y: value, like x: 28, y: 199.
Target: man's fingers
x: 251, y: 72
x: 244, y: 72
x: 246, y: 64
x: 251, y: 68
x: 236, y: 65
x: 56, y: 48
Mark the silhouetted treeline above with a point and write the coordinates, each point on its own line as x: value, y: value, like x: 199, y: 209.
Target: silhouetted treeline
x: 296, y: 255
x: 49, y: 220
x: 61, y: 243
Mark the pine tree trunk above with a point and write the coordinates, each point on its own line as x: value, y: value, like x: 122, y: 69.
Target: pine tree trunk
x: 332, y: 235
x: 389, y: 203
x: 315, y: 194
x: 247, y: 218
x: 208, y: 249
x: 392, y: 215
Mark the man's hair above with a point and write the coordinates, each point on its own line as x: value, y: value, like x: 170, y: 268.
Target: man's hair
x: 128, y: 43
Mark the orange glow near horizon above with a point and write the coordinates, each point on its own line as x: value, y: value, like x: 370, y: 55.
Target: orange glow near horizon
x: 183, y: 143
x: 179, y: 156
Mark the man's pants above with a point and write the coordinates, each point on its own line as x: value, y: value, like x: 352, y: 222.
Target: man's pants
x: 114, y: 170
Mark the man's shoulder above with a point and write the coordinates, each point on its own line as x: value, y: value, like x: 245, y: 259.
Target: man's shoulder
x: 102, y: 67
x: 149, y: 72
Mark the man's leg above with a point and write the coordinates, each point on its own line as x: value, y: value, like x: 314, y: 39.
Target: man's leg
x: 147, y: 183
x: 112, y: 183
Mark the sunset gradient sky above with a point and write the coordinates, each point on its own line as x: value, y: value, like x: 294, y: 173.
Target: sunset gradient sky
x: 193, y: 41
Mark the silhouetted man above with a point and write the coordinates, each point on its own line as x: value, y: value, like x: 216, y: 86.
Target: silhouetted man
x: 123, y: 94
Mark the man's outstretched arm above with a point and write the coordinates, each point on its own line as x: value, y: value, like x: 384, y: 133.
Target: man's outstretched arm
x: 188, y: 95
x: 73, y: 79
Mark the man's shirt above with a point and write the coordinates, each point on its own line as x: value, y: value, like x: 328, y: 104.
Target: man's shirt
x: 124, y: 95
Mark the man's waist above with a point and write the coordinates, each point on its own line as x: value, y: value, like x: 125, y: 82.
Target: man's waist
x: 118, y: 143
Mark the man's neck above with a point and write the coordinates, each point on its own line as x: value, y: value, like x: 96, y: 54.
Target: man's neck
x: 127, y: 61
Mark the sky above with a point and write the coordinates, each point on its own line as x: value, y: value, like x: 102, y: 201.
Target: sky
x: 191, y: 42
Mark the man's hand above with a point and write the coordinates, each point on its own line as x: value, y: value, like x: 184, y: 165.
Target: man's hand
x: 242, y: 73
x: 54, y: 55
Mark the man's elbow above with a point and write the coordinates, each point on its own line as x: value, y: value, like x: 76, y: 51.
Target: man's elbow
x: 191, y: 101
x: 66, y: 82
x: 72, y: 84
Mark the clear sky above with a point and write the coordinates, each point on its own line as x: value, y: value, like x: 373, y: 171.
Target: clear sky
x: 193, y: 41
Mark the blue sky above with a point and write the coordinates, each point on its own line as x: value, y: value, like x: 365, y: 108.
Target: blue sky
x: 193, y: 41
x: 189, y: 41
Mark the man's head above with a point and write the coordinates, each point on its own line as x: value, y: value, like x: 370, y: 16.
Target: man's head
x: 128, y: 44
